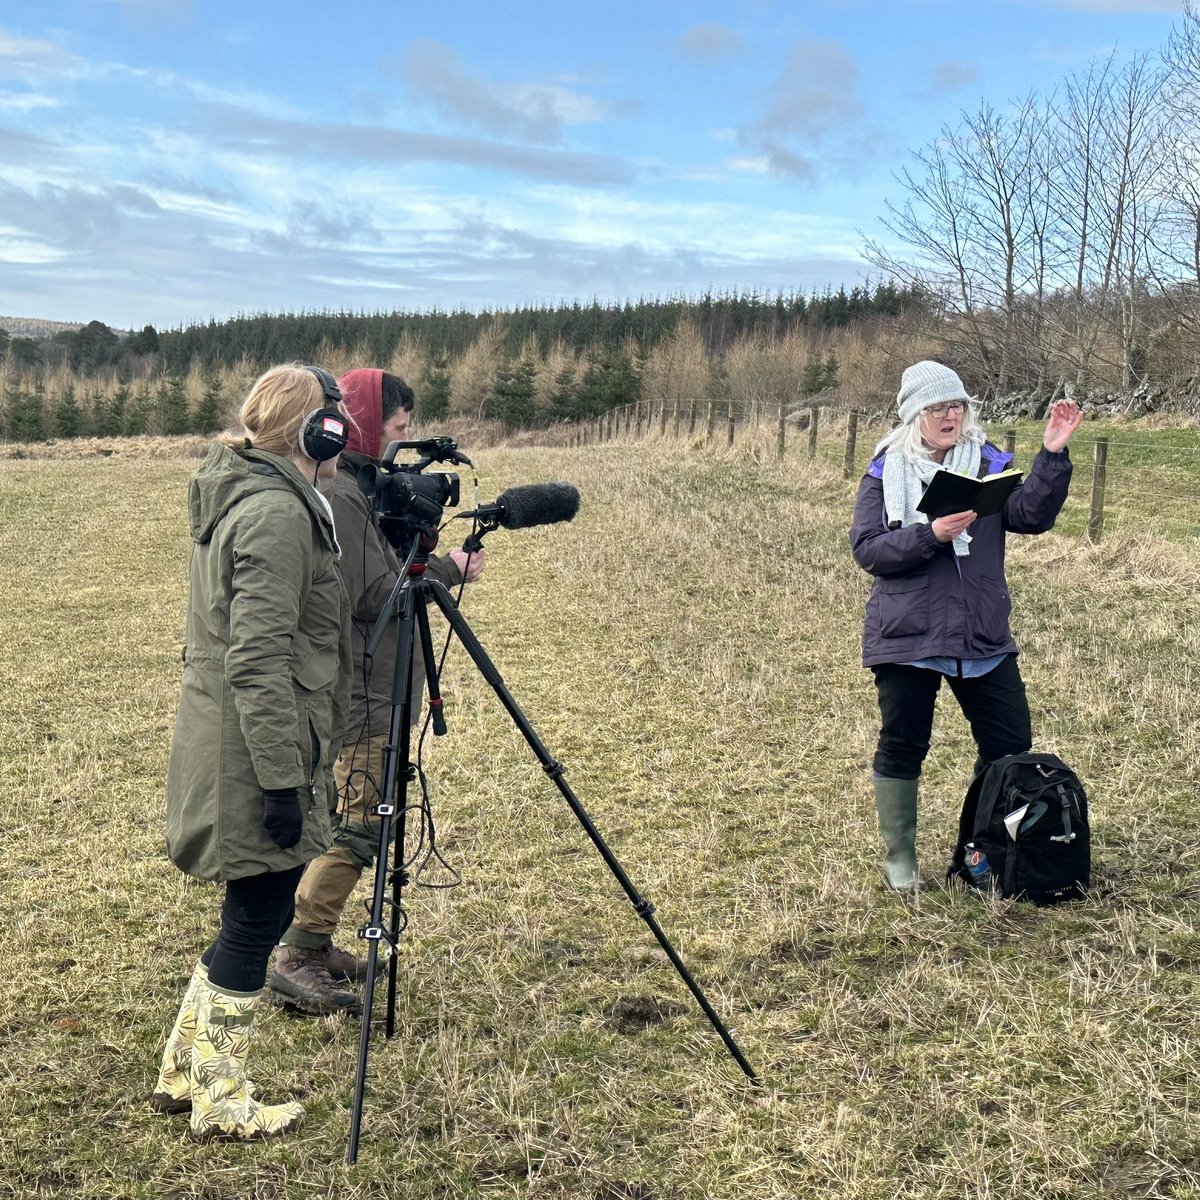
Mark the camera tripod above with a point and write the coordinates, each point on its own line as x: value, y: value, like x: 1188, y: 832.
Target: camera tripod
x: 407, y: 610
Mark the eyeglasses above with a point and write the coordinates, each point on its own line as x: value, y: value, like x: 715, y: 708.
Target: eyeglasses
x: 941, y: 410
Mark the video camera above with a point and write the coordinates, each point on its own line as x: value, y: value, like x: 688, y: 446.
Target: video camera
x: 406, y: 501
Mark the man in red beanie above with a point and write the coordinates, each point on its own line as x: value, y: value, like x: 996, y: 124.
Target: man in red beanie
x: 310, y: 971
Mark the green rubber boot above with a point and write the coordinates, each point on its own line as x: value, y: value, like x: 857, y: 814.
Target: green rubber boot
x: 896, y: 803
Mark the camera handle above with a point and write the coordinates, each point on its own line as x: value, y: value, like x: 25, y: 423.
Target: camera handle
x: 408, y: 607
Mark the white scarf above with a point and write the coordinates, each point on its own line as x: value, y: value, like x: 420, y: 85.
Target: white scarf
x: 904, y: 480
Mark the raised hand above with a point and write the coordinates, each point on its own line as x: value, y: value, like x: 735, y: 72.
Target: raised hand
x: 1063, y: 420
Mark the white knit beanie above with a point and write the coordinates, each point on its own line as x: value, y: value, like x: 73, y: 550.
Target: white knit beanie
x: 927, y: 383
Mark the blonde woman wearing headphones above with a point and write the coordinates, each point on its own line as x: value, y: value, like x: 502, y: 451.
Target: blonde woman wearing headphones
x: 262, y: 704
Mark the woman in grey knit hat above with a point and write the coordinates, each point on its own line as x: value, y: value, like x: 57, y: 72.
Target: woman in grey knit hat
x: 939, y: 602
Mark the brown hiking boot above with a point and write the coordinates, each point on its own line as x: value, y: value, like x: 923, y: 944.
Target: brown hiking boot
x: 301, y: 981
x: 341, y: 964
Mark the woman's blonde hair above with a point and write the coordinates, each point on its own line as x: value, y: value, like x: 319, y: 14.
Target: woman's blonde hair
x: 271, y: 414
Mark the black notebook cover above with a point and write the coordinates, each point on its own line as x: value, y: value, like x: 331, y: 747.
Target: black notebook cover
x: 947, y: 493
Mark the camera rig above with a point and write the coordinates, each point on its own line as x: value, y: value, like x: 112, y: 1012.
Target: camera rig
x: 405, y: 500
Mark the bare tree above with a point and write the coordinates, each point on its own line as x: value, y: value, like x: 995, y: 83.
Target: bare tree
x: 1107, y: 166
x: 1175, y: 263
x: 1036, y: 225
x: 976, y: 216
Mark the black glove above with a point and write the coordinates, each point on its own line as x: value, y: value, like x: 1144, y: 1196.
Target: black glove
x: 282, y: 818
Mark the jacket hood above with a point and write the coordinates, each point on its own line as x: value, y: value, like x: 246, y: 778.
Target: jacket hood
x: 227, y: 476
x: 362, y: 398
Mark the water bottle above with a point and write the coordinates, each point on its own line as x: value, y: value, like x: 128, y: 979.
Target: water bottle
x: 977, y: 867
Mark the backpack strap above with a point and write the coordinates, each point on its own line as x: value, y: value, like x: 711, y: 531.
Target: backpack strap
x: 991, y: 790
x: 1068, y: 834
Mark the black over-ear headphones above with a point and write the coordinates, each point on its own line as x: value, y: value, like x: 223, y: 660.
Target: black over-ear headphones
x: 323, y: 433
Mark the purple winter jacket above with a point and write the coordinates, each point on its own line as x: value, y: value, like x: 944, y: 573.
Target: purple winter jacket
x: 926, y: 601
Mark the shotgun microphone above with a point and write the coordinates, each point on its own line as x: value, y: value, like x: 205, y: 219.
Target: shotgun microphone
x: 522, y: 507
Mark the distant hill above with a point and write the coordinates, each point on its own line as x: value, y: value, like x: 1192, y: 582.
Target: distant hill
x: 35, y: 327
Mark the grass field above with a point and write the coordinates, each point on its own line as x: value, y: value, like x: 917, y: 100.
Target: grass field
x: 688, y: 646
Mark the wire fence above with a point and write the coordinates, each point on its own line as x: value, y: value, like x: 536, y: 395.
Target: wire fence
x: 1133, y: 476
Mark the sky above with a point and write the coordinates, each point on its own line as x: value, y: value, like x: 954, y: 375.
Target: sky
x: 168, y: 162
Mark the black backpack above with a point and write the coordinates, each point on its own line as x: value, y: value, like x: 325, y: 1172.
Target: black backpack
x: 1028, y: 814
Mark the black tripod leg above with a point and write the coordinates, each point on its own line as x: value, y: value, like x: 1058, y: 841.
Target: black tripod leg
x: 399, y: 871
x: 432, y: 684
x: 555, y: 770
x: 390, y: 809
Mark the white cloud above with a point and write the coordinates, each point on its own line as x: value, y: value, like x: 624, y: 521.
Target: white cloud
x: 34, y: 60
x: 535, y: 112
x: 950, y: 76
x: 813, y: 124
x: 26, y: 102
x: 817, y: 89
x: 758, y: 165
x: 709, y: 42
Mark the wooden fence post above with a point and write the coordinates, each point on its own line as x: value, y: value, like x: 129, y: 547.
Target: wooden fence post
x: 814, y: 418
x: 662, y: 418
x: 782, y: 431
x: 1095, y: 523
x: 1010, y: 441
x: 731, y: 422
x: 676, y: 420
x: 851, y: 438
x: 692, y: 419
x: 710, y: 425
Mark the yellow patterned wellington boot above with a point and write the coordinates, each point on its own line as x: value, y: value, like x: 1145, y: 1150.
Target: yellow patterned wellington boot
x: 223, y: 1104
x: 173, y: 1090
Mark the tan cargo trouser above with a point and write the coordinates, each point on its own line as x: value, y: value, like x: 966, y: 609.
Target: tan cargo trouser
x: 328, y: 880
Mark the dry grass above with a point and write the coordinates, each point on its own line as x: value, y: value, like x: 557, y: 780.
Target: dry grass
x: 688, y: 647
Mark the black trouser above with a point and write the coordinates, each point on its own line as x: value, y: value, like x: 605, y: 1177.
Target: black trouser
x: 994, y: 704
x: 254, y: 915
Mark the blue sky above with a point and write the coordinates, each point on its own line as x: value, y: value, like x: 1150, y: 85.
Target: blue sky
x: 171, y: 161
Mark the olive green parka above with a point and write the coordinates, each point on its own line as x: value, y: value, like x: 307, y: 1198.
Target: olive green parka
x: 266, y: 667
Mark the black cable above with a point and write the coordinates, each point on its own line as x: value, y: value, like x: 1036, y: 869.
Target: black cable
x: 435, y: 854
